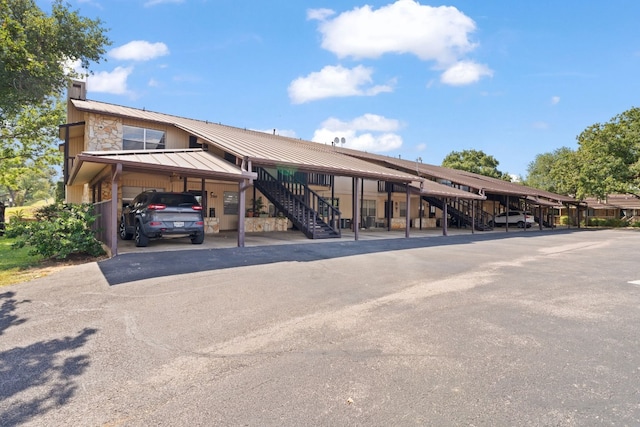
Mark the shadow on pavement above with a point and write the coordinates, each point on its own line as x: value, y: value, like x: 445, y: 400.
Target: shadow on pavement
x: 39, y: 377
x: 139, y: 266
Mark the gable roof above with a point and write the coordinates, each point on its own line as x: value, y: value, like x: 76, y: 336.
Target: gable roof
x: 262, y: 149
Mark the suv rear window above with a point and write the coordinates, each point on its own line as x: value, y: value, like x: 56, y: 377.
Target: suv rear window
x: 175, y: 199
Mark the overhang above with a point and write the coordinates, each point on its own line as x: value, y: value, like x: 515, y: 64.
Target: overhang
x: 194, y: 163
x: 431, y: 188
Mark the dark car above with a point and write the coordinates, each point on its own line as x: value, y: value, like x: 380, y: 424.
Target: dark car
x: 154, y: 214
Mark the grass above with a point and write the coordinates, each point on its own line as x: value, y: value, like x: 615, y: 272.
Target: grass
x: 16, y: 265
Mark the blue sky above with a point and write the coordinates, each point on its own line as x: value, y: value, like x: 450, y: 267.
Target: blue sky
x: 416, y: 79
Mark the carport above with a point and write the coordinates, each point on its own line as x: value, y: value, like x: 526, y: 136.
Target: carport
x: 104, y: 168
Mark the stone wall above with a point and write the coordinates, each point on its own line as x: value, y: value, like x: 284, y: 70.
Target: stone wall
x: 253, y: 225
x: 105, y: 133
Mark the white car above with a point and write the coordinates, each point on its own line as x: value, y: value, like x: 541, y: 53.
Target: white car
x: 517, y: 218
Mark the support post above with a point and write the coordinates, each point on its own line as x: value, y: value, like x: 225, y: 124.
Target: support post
x: 242, y: 187
x: 113, y: 233
x: 473, y: 216
x: 445, y: 224
x: 408, y: 213
x: 356, y: 208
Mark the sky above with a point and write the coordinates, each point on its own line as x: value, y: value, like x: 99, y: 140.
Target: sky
x: 405, y: 78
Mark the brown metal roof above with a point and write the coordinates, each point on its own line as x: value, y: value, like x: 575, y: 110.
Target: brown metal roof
x: 472, y: 180
x: 432, y: 188
x: 260, y: 148
x: 188, y: 162
x: 614, y: 201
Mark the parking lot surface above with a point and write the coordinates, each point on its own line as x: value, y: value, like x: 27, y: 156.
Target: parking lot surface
x: 528, y: 328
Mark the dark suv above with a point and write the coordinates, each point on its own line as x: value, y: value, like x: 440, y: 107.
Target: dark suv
x: 154, y: 214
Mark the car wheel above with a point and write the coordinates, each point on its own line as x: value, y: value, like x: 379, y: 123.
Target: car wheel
x: 197, y: 239
x: 122, y: 230
x: 520, y: 224
x: 491, y: 224
x: 141, y: 239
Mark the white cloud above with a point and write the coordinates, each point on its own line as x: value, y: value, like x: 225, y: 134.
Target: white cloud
x: 139, y: 50
x: 110, y: 82
x: 465, y: 72
x: 334, y: 81
x: 438, y: 34
x: 369, y: 132
x: 319, y: 14
x: 555, y: 100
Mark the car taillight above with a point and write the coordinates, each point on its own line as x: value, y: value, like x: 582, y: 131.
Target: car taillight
x: 199, y: 222
x: 196, y: 207
x: 155, y: 223
x: 156, y: 207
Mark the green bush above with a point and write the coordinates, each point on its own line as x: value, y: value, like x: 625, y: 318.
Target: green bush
x: 60, y: 230
x: 607, y: 222
x: 565, y: 220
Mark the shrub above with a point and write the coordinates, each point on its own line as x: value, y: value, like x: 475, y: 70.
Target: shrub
x: 60, y: 230
x: 608, y: 222
x: 565, y: 220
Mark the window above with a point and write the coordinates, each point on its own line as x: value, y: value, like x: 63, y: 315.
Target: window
x: 368, y: 208
x: 230, y: 200
x: 403, y: 209
x: 135, y: 138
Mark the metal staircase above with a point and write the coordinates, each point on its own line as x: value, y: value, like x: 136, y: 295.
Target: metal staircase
x: 309, y: 212
x: 461, y: 212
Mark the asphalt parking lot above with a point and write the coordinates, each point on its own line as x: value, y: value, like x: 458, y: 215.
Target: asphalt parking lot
x: 528, y: 328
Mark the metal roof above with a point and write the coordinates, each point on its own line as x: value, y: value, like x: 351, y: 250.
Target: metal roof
x: 480, y: 183
x: 614, y: 201
x: 261, y: 148
x: 188, y: 162
x: 432, y: 188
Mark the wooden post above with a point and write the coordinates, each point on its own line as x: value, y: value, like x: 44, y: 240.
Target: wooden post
x: 356, y: 208
x: 408, y: 213
x: 113, y: 233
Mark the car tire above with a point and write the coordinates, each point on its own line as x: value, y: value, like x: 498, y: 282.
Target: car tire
x: 197, y: 239
x: 491, y: 224
x: 520, y: 224
x: 122, y: 231
x: 141, y: 239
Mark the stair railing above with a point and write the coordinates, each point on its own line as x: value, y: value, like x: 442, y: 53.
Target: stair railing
x: 303, y: 206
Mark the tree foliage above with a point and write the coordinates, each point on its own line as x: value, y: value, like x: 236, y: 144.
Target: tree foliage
x: 609, y: 157
x: 29, y: 148
x: 36, y: 48
x: 607, y: 161
x: 556, y: 172
x: 474, y: 161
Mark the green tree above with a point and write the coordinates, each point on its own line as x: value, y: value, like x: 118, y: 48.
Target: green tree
x: 474, y: 161
x: 34, y: 50
x: 29, y: 150
x: 36, y: 47
x: 556, y: 172
x: 609, y: 157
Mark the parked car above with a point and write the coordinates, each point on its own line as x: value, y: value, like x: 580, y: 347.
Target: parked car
x: 517, y: 218
x: 153, y: 214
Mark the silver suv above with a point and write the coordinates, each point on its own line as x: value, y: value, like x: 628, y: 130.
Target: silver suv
x: 154, y: 214
x: 517, y: 218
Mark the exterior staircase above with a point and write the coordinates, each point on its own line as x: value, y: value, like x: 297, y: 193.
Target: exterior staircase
x: 307, y: 210
x: 461, y: 212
